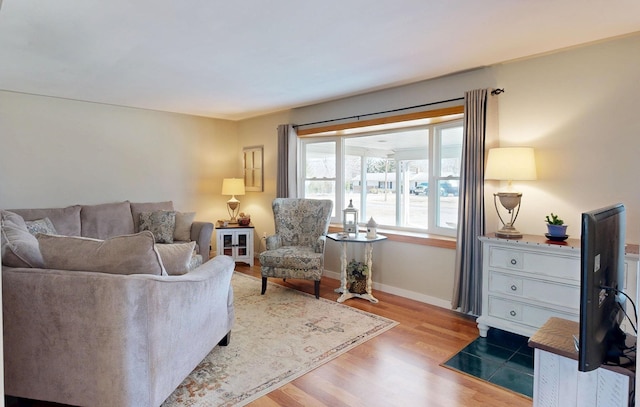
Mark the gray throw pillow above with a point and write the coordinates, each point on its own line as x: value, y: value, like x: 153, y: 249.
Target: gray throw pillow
x: 127, y: 254
x: 19, y: 247
x: 43, y: 225
x: 176, y: 257
x: 182, y: 231
x: 161, y: 223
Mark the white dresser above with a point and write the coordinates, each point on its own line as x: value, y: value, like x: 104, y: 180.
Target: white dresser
x: 526, y: 281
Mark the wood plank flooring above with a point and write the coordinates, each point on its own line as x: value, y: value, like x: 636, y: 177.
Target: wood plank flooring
x: 400, y: 367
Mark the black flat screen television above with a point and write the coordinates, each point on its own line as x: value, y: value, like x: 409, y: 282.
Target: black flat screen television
x: 602, y: 280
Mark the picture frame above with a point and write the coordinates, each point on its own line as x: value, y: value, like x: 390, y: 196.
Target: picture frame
x: 252, y: 164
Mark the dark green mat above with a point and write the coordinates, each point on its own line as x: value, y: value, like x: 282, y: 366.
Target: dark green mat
x: 502, y: 358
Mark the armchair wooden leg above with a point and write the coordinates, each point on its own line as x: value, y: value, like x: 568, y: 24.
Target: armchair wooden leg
x: 264, y: 285
x: 316, y: 287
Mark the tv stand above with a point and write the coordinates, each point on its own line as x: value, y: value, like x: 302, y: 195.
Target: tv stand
x: 557, y: 381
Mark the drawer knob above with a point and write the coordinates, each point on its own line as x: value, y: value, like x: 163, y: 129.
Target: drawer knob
x: 514, y: 287
x: 514, y: 261
x: 513, y: 313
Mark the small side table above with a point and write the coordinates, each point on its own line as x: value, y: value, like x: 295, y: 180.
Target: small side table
x: 235, y: 241
x: 361, y: 238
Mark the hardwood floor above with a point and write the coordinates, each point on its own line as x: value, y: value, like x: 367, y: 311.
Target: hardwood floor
x: 400, y: 367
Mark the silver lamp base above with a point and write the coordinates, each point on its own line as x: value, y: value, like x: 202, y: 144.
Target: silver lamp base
x: 510, y: 201
x: 508, y: 232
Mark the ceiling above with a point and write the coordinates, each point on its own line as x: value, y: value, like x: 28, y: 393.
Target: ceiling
x: 240, y: 59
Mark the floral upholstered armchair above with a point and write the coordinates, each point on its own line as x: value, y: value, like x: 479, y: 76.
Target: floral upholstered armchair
x: 297, y: 248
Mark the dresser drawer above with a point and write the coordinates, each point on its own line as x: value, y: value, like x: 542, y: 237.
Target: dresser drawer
x: 564, y: 295
x: 524, y: 313
x: 535, y: 263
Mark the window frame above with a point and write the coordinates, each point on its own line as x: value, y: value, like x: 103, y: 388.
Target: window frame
x: 435, y: 120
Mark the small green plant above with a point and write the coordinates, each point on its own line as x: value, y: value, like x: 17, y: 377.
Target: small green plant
x: 554, y: 220
x: 356, y: 270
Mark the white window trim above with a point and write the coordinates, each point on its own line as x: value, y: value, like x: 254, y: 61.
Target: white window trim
x: 434, y: 178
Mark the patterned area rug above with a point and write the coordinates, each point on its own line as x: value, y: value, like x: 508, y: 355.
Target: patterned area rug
x: 276, y: 338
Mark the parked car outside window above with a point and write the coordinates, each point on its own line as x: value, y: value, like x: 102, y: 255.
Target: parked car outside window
x: 447, y: 189
x: 421, y: 189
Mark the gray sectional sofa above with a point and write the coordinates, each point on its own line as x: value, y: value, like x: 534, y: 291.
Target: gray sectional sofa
x: 109, y: 338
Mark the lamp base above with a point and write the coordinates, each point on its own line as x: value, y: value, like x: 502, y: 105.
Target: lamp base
x: 509, y: 232
x: 233, y: 207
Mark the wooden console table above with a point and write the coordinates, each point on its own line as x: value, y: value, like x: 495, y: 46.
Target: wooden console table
x: 361, y: 238
x: 557, y: 381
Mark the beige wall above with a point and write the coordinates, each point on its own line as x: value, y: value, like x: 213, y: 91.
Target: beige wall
x: 56, y: 152
x: 262, y: 131
x: 578, y: 108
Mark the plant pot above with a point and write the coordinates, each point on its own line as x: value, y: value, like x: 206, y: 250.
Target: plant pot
x: 557, y: 230
x: 359, y: 286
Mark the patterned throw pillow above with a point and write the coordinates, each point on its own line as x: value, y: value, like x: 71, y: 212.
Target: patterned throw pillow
x: 43, y: 225
x: 160, y: 223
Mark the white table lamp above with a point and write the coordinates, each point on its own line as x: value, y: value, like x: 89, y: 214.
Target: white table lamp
x: 510, y: 164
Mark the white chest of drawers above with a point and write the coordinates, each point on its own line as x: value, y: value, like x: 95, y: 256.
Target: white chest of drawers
x: 526, y: 281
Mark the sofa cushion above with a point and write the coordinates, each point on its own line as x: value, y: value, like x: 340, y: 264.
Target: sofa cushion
x: 139, y: 207
x: 41, y: 226
x: 65, y: 220
x: 176, y: 257
x: 106, y: 220
x: 127, y: 254
x: 183, y: 225
x: 19, y: 247
x: 160, y: 223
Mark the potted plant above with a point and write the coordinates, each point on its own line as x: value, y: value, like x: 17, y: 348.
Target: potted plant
x: 555, y: 226
x: 357, y: 273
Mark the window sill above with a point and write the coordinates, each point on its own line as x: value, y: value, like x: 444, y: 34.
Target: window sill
x: 410, y: 237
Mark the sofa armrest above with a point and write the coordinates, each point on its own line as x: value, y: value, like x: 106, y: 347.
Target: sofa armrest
x: 201, y: 234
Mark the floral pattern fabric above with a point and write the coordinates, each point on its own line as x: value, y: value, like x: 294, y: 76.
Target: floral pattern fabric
x: 161, y: 223
x: 43, y: 225
x: 297, y: 248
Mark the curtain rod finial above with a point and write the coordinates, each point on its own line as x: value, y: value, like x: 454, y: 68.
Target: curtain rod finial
x: 497, y: 91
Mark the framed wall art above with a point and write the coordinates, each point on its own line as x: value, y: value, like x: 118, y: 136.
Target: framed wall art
x: 252, y: 167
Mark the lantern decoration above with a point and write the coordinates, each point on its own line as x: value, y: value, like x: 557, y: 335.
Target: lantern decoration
x: 372, y: 229
x: 350, y: 219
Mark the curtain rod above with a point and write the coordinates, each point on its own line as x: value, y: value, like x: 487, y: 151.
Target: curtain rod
x: 357, y: 117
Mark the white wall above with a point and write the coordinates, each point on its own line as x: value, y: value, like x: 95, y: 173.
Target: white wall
x: 56, y: 152
x: 578, y: 109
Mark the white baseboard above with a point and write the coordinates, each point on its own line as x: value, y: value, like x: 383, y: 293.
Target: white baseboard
x: 412, y: 295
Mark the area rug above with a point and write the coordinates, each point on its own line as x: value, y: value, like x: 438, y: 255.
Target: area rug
x: 276, y: 338
x: 502, y: 358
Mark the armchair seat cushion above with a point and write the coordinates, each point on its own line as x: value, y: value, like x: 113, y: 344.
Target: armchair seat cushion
x: 292, y: 257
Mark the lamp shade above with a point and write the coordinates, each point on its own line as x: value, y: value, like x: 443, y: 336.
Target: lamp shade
x: 233, y: 186
x: 511, y: 164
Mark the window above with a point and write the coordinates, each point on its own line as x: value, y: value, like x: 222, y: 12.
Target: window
x: 405, y: 175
